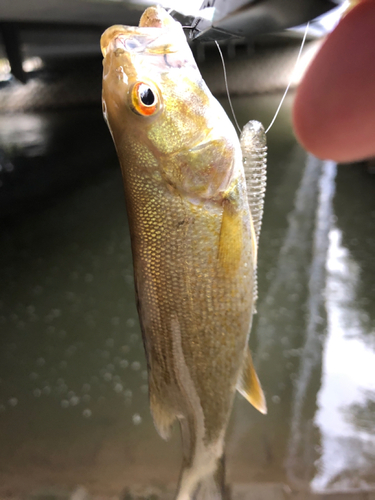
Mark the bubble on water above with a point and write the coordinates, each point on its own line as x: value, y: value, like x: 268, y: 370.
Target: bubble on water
x: 71, y: 394
x: 265, y: 356
x: 40, y: 362
x: 89, y: 278
x: 107, y: 376
x: 71, y: 296
x: 105, y: 354
x: 118, y: 387
x: 33, y: 376
x: 293, y: 297
x: 50, y: 329
x: 87, y: 413
x: 125, y: 348
x: 71, y: 350
x: 46, y: 390
x: 144, y: 375
x: 62, y: 334
x: 144, y: 389
x: 124, y: 363
x: 109, y: 343
x: 136, y: 365
x: 13, y: 402
x: 128, y: 393
x: 133, y: 338
x: 63, y: 364
x: 37, y: 393
x: 111, y: 367
x: 275, y: 399
x: 86, y: 387
x: 137, y: 419
x: 86, y: 398
x: 90, y: 321
x: 115, y: 321
x: 295, y: 352
x: 74, y: 400
x: 64, y: 403
x: 2, y: 408
x: 130, y: 322
x: 63, y: 388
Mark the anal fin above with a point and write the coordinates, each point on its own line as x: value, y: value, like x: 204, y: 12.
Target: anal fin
x: 249, y: 386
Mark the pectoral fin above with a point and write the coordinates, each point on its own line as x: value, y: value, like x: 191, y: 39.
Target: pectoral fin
x: 249, y: 386
x: 231, y: 238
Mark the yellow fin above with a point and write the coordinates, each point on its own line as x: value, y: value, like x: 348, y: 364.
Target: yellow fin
x: 231, y: 235
x: 249, y: 386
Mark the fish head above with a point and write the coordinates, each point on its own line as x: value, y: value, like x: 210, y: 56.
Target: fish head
x: 158, y: 107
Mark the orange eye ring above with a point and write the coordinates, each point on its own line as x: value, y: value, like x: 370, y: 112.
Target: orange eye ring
x: 145, y: 99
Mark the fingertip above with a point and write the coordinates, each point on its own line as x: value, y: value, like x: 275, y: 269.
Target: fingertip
x: 334, y: 107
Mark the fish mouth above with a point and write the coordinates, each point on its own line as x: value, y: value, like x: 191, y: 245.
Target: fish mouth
x: 157, y: 33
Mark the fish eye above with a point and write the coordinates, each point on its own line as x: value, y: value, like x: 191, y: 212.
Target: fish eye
x: 144, y: 99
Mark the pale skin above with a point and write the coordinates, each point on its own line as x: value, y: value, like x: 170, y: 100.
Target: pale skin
x: 334, y: 109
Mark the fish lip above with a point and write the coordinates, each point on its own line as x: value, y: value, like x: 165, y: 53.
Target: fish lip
x: 118, y: 34
x: 146, y: 39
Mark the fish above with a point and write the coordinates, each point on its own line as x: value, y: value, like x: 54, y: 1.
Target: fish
x: 189, y: 190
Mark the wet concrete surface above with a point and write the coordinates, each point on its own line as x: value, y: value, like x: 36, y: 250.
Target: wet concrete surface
x: 73, y: 383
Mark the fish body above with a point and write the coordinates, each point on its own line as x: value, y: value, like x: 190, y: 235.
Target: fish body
x: 193, y: 239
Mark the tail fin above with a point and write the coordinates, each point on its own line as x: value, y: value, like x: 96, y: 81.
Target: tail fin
x: 211, y: 486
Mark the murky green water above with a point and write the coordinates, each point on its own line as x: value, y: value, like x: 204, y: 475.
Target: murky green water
x: 73, y: 385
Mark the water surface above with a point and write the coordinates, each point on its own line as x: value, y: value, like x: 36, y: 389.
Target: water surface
x: 73, y: 382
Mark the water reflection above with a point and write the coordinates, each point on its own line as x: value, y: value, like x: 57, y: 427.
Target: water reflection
x: 73, y: 388
x: 348, y: 382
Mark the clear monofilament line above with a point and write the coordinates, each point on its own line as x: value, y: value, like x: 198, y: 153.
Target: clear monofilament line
x: 226, y: 86
x: 291, y: 78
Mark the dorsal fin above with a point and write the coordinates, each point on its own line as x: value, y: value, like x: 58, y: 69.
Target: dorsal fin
x: 249, y: 386
x: 254, y: 154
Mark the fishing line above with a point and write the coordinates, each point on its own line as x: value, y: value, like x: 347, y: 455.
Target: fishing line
x: 226, y: 86
x: 291, y: 78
